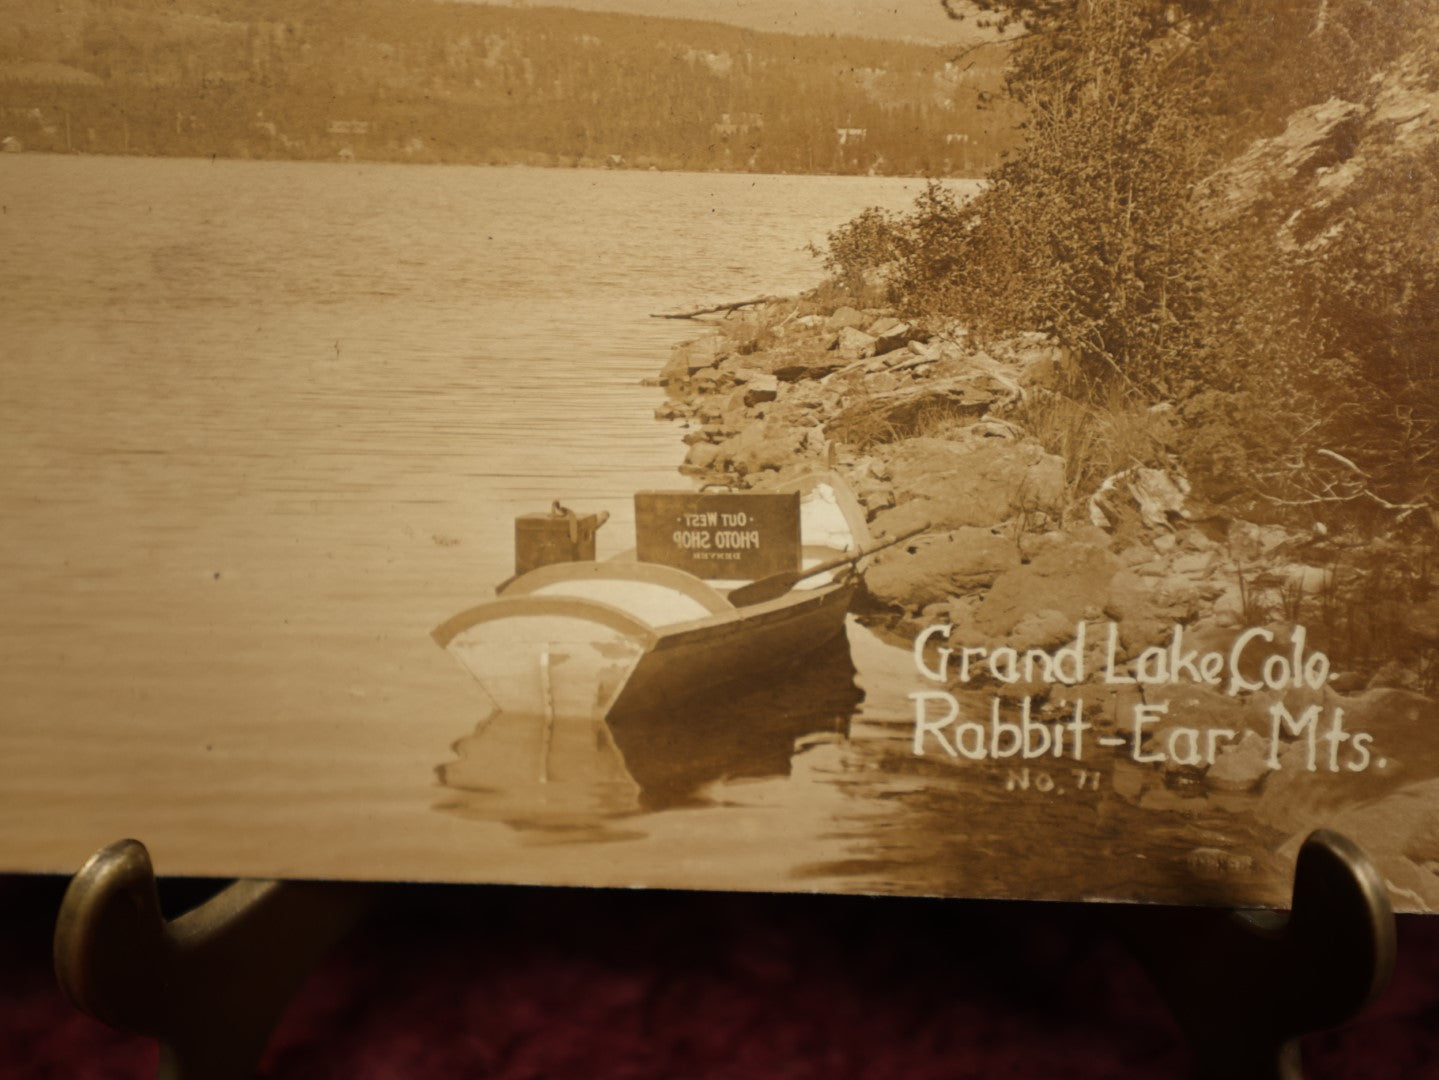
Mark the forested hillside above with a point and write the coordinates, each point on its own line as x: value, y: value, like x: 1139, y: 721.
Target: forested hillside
x: 387, y: 79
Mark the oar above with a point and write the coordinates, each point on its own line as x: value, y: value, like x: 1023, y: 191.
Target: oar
x: 757, y: 592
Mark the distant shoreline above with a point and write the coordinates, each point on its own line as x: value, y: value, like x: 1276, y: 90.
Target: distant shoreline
x: 361, y: 162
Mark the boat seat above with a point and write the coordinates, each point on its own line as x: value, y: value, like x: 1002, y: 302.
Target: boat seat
x: 659, y: 595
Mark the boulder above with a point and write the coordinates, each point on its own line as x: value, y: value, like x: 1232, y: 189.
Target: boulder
x: 759, y: 389
x: 933, y: 568
x: 1157, y: 496
x: 1072, y: 579
x: 853, y: 344
x: 892, y: 337
x: 804, y: 366
x: 899, y: 411
x: 971, y: 481
x: 1241, y: 766
x: 1147, y: 607
x: 1317, y: 137
x: 1047, y: 367
x: 846, y: 317
x: 703, y: 455
x: 689, y: 357
x: 769, y: 444
x: 1044, y: 628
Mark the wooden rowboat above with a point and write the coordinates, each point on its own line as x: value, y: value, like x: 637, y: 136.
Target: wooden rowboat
x: 595, y: 640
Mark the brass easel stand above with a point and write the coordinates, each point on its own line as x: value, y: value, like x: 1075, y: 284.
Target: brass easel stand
x: 211, y: 984
x: 1245, y: 986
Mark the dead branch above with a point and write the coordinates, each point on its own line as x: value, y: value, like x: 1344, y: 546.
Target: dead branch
x: 1402, y: 509
x: 735, y: 306
x: 1342, y: 460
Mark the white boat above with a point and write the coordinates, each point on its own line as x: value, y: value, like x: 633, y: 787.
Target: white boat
x: 595, y: 640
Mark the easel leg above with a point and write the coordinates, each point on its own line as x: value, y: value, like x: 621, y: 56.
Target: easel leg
x: 1246, y: 986
x: 209, y: 985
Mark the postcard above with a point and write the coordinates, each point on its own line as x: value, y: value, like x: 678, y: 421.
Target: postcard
x: 949, y: 451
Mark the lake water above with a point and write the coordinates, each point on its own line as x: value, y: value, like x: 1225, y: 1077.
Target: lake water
x: 264, y: 425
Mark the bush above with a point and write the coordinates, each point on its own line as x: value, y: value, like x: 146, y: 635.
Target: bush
x: 1329, y: 352
x: 860, y: 254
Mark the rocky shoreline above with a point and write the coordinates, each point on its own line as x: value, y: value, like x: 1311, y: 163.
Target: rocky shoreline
x: 1023, y: 553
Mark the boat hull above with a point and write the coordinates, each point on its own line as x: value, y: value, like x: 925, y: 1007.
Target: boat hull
x: 687, y: 661
x: 568, y: 658
x: 547, y: 656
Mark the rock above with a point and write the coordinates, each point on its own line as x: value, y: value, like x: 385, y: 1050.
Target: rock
x: 845, y: 317
x: 854, y: 344
x: 1046, y: 628
x: 972, y: 481
x: 1241, y: 766
x: 689, y: 357
x: 1315, y: 137
x: 810, y: 366
x: 759, y: 389
x: 1072, y: 579
x: 1147, y: 608
x: 1393, y: 675
x: 1158, y: 496
x: 1248, y: 542
x: 732, y: 409
x: 1332, y: 153
x: 893, y: 337
x: 1046, y: 367
x: 703, y: 455
x: 992, y: 427
x: 933, y: 568
x: 770, y: 444
x: 899, y: 412
x: 1347, y: 682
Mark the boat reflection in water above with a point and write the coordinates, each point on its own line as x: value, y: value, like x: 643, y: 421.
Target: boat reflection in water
x: 573, y: 781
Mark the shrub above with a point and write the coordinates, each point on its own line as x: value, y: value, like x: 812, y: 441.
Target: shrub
x: 863, y: 248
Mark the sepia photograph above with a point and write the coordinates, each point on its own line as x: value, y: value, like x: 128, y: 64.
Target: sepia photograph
x: 967, y: 448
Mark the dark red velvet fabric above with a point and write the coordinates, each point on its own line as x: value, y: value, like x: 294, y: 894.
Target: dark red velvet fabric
x: 516, y: 984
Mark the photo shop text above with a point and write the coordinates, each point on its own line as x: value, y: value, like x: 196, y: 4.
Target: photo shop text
x: 1246, y: 666
x: 723, y: 532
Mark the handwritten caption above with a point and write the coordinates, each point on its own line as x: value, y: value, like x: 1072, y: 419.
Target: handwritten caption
x: 1010, y: 730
